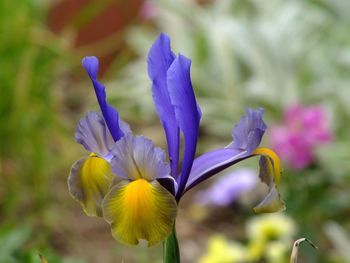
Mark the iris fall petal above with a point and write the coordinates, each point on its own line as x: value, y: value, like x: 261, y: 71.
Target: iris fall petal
x: 140, y: 210
x: 89, y: 181
x: 136, y: 157
x: 212, y: 163
x: 270, y: 172
x: 246, y: 135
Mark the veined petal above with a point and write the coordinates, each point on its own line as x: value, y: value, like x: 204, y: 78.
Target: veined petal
x: 110, y: 115
x: 140, y: 210
x: 93, y: 133
x: 249, y: 130
x: 88, y: 183
x: 187, y: 112
x: 136, y: 157
x: 159, y: 60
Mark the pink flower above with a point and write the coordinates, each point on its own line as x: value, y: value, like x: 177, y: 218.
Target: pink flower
x: 302, y: 130
x: 149, y: 10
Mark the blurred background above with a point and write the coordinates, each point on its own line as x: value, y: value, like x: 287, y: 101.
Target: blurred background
x: 291, y: 57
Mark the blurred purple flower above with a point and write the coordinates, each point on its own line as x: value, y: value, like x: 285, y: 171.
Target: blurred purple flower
x: 303, y: 129
x: 228, y: 188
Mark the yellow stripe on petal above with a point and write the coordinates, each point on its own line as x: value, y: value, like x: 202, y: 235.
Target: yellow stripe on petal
x: 270, y: 174
x: 274, y: 163
x: 140, y: 210
x: 89, y: 182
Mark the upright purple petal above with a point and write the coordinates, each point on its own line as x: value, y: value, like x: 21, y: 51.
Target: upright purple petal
x: 249, y: 130
x: 187, y: 112
x: 110, y: 115
x: 159, y: 60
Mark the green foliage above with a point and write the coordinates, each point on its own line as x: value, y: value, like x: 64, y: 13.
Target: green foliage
x: 31, y: 128
x: 29, y: 114
x: 15, y: 248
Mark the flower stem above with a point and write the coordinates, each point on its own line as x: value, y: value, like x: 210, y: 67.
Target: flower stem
x: 171, y: 252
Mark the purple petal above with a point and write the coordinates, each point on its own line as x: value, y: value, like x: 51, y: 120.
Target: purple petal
x: 187, y: 112
x: 159, y: 60
x: 248, y: 132
x: 212, y: 163
x: 93, y: 134
x: 247, y: 135
x: 110, y: 115
x: 135, y: 157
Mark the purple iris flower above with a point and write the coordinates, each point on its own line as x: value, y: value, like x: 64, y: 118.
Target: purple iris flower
x: 130, y: 182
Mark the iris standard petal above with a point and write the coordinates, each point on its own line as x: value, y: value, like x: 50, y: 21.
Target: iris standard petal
x: 159, y: 60
x: 249, y: 130
x: 110, y: 115
x: 136, y: 157
x: 140, y: 210
x: 88, y: 183
x: 187, y: 112
x: 93, y: 133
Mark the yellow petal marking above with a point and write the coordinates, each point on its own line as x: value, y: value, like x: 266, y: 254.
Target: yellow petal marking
x: 274, y: 166
x: 140, y: 210
x: 91, y: 183
x: 271, y: 177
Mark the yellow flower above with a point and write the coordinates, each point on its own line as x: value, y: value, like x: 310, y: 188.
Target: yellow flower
x: 269, y: 230
x: 276, y: 252
x: 222, y: 251
x: 271, y: 227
